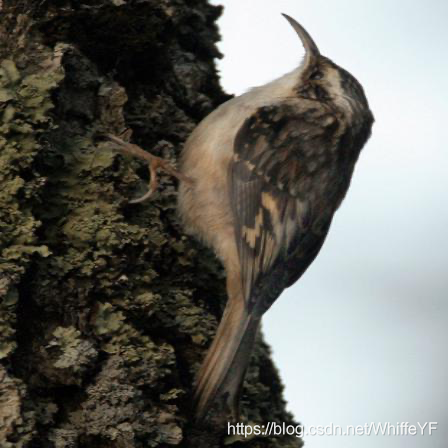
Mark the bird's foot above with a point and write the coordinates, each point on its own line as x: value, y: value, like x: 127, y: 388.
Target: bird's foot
x: 154, y: 163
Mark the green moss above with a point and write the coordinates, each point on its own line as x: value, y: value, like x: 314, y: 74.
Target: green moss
x: 7, y: 318
x: 24, y: 105
x: 72, y: 351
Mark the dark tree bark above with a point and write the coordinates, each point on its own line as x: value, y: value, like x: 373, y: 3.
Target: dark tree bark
x: 107, y: 308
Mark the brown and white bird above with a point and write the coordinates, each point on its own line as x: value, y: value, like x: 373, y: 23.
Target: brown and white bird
x: 269, y: 169
x: 260, y: 180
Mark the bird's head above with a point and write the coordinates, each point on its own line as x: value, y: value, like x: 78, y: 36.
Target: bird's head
x: 323, y: 80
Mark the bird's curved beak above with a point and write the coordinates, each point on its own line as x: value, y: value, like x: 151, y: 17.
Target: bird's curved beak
x: 311, y: 51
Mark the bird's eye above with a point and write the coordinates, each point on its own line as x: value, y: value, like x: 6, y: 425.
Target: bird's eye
x: 316, y: 75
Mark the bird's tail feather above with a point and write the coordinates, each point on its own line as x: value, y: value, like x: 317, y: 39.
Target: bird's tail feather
x: 222, y: 372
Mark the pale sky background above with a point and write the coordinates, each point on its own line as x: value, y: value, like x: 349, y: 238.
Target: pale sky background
x: 363, y: 336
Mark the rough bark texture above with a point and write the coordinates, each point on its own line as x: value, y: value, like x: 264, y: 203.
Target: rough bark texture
x: 107, y: 308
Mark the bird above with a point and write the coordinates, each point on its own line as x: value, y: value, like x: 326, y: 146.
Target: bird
x: 260, y: 179
x: 268, y: 170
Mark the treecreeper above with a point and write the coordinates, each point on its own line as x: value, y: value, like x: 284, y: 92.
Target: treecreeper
x: 260, y: 180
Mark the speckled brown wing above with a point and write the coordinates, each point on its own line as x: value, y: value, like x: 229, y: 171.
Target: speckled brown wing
x: 278, y: 197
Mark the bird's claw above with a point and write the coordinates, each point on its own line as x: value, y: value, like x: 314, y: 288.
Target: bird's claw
x: 154, y: 163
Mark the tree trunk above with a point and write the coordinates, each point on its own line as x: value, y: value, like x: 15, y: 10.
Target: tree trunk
x: 107, y: 308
